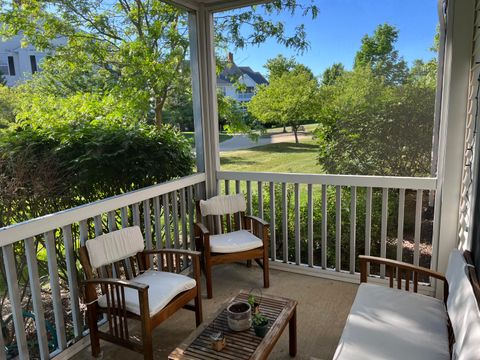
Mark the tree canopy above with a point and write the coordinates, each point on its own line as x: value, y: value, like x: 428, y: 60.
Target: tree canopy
x: 289, y: 100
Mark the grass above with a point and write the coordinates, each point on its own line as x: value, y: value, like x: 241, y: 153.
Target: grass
x: 280, y: 157
x: 191, y: 135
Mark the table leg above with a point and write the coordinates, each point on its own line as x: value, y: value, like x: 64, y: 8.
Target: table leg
x: 292, y: 329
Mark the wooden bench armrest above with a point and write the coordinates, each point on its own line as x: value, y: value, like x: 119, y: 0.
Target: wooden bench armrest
x: 257, y: 220
x: 173, y: 251
x: 201, y: 228
x: 405, y: 267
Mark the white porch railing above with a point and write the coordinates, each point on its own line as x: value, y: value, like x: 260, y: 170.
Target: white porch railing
x: 165, y: 212
x: 318, y: 222
x: 326, y: 221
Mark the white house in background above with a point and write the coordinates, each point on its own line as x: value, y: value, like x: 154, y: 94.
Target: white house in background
x: 18, y: 64
x: 239, y: 74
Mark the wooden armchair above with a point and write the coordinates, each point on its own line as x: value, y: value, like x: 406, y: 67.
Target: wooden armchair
x: 230, y: 235
x: 122, y: 284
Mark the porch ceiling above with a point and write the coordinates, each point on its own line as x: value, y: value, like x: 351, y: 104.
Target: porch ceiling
x: 215, y: 5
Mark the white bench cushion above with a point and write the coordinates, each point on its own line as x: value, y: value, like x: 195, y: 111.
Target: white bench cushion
x: 223, y: 204
x: 163, y: 287
x: 463, y: 309
x: 113, y: 246
x: 234, y: 241
x: 390, y: 324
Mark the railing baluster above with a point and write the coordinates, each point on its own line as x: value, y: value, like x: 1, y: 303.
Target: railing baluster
x: 183, y: 218
x: 298, y: 258
x: 228, y: 217
x: 166, y: 221
x: 310, y: 224
x: 353, y: 228
x: 249, y: 198
x: 55, y: 289
x: 136, y: 214
x: 35, y: 289
x: 237, y: 186
x: 147, y: 224
x: 112, y: 221
x: 97, y: 223
x: 124, y: 217
x: 227, y: 187
x: 72, y: 280
x: 260, y: 199
x: 418, y: 227
x: 324, y: 226
x: 157, y: 224
x: 401, y: 216
x: 3, y: 355
x: 191, y: 217
x: 338, y: 228
x: 273, y: 235
x: 368, y: 224
x: 15, y: 301
x: 285, y: 222
x: 383, y: 230
x: 176, y: 237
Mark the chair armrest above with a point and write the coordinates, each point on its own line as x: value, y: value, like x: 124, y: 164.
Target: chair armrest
x: 257, y: 220
x: 119, y: 282
x: 172, y: 251
x: 405, y: 267
x: 201, y: 228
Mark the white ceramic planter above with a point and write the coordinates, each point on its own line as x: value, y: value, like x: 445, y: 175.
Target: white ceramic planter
x: 239, y: 316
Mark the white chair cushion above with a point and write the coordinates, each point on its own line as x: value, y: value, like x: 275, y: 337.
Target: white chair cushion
x: 462, y: 309
x: 235, y: 241
x: 223, y: 204
x: 163, y: 287
x: 389, y: 324
x: 116, y: 245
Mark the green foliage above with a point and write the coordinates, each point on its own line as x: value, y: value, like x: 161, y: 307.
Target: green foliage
x: 259, y: 319
x: 378, y: 53
x: 3, y: 81
x: 332, y: 73
x: 366, y: 126
x: 288, y: 100
x: 46, y: 169
x: 8, y: 102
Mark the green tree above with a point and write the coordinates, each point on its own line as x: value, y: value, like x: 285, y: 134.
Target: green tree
x: 366, y: 126
x: 378, y: 53
x: 332, y: 73
x: 132, y: 49
x: 3, y: 81
x: 289, y: 100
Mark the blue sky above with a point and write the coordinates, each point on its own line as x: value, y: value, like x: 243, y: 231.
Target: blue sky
x: 335, y: 35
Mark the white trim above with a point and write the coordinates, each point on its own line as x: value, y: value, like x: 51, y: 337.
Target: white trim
x: 340, y: 180
x: 26, y: 229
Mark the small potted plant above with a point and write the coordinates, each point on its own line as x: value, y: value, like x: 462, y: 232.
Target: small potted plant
x: 254, y: 304
x: 239, y: 316
x: 260, y: 324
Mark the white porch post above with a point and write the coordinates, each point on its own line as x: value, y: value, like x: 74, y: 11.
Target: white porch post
x: 458, y: 54
x: 202, y: 60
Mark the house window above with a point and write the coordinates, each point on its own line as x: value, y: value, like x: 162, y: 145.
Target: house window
x: 33, y: 64
x: 11, y: 66
x: 4, y: 65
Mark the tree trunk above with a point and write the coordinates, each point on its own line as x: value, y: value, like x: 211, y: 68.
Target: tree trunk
x: 284, y: 129
x: 295, y: 130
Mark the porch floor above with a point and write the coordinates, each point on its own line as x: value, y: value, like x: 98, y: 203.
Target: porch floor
x: 323, y: 307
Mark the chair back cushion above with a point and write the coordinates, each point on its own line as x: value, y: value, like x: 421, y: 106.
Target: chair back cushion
x: 462, y: 309
x: 223, y: 204
x: 116, y: 245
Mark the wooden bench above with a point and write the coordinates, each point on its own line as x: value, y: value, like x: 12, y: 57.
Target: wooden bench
x: 389, y: 323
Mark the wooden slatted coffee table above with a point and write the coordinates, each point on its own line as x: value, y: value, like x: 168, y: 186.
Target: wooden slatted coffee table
x: 242, y: 345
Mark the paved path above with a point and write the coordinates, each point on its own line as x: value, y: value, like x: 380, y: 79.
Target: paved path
x: 240, y: 142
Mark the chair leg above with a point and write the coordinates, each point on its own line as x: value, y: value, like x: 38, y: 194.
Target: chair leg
x: 249, y: 263
x: 198, y: 309
x: 147, y: 342
x: 208, y: 276
x: 266, y: 273
x: 93, y: 326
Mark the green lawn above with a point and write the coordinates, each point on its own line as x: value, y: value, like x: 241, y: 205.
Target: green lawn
x: 191, y: 135
x: 281, y: 157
